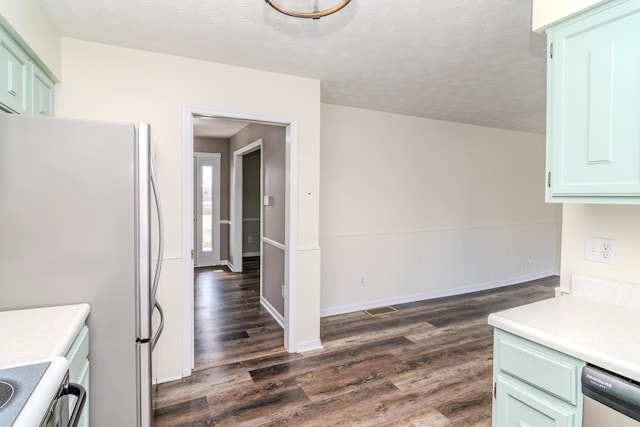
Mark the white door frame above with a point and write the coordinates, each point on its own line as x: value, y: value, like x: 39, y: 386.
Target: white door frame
x: 212, y: 259
x: 291, y: 225
x: 236, y: 205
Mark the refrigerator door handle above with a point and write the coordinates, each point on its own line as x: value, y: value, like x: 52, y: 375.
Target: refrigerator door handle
x: 144, y: 301
x: 156, y: 195
x: 156, y: 336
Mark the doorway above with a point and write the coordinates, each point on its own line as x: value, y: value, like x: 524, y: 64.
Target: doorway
x: 239, y: 221
x: 235, y: 237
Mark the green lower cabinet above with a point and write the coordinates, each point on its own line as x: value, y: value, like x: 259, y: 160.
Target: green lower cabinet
x: 519, y: 405
x: 78, y: 357
x: 534, y: 385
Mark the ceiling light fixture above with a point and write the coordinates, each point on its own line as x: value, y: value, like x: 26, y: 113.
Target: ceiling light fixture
x: 314, y: 13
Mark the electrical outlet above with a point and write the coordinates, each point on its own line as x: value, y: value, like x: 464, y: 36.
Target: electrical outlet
x: 250, y: 239
x: 600, y: 250
x: 361, y: 280
x: 282, y: 291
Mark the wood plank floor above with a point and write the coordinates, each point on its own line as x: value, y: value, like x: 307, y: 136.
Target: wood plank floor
x: 230, y: 325
x: 427, y: 364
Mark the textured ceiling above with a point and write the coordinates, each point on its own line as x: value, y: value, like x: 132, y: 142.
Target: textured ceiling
x: 470, y: 61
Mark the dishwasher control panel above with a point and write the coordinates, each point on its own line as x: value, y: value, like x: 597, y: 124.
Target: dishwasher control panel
x: 614, y: 391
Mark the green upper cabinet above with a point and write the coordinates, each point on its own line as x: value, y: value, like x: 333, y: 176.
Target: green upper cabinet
x: 593, y: 106
x: 14, y: 76
x: 24, y: 87
x: 42, y: 99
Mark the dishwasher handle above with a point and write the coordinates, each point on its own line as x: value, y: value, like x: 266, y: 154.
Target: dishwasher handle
x: 612, y: 390
x: 80, y: 392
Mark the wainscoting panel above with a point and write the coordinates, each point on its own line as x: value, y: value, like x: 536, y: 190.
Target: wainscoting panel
x: 368, y: 271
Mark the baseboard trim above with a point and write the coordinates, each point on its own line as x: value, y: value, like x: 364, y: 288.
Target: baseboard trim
x: 231, y: 266
x: 227, y: 263
x: 303, y: 347
x: 332, y: 311
x: 248, y: 254
x: 167, y: 380
x: 272, y: 311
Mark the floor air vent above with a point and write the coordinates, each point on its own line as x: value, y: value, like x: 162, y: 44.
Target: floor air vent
x: 380, y: 311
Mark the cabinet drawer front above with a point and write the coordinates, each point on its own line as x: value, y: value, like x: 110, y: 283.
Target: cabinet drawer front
x: 544, y: 368
x: 522, y: 407
x: 78, y: 354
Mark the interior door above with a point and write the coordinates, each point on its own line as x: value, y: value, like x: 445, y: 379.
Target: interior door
x: 207, y: 209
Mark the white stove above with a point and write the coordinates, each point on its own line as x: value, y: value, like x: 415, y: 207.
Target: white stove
x: 35, y: 394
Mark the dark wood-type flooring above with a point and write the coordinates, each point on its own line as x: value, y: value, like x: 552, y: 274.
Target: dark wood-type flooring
x: 230, y: 325
x: 427, y: 364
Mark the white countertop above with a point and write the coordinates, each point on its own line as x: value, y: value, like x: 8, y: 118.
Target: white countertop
x: 39, y: 333
x: 586, y: 324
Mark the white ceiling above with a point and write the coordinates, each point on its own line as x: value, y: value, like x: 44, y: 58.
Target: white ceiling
x: 470, y: 61
x: 217, y: 128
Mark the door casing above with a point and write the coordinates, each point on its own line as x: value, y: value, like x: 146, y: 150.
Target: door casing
x: 291, y: 225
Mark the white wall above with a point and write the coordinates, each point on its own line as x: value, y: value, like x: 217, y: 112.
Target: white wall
x: 618, y: 222
x: 111, y: 83
x: 548, y: 12
x: 421, y: 208
x: 29, y: 24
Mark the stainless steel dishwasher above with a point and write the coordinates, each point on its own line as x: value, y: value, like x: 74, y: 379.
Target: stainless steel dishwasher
x: 609, y: 399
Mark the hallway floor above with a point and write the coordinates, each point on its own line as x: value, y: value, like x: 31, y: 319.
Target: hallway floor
x: 229, y: 324
x: 429, y: 363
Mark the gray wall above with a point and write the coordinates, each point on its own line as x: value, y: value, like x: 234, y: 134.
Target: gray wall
x: 274, y: 158
x: 251, y: 202
x: 273, y: 176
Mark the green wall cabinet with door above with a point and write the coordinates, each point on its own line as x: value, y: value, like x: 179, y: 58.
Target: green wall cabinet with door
x: 534, y: 385
x: 593, y: 106
x: 24, y: 87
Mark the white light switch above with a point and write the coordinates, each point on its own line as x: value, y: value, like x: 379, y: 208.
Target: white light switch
x: 266, y: 200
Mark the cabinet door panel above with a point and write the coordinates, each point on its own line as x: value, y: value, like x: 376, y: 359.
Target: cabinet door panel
x: 84, y: 381
x: 14, y: 76
x: 42, y: 94
x: 516, y: 405
x: 78, y: 354
x: 595, y: 92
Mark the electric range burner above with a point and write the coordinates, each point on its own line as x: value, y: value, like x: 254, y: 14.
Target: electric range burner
x: 16, y: 386
x: 6, y: 393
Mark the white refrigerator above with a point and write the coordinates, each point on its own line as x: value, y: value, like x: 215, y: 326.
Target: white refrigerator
x: 77, y: 219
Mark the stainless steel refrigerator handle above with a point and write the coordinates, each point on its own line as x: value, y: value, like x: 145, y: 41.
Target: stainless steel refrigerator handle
x: 81, y: 393
x: 144, y: 301
x: 156, y: 278
x: 156, y: 195
x: 156, y: 336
